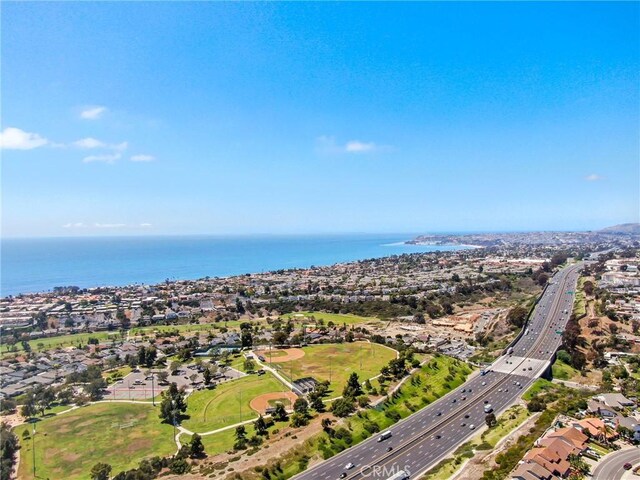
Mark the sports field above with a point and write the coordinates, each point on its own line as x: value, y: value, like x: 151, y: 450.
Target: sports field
x: 336, y: 318
x: 68, y: 445
x: 335, y: 362
x: 228, y: 403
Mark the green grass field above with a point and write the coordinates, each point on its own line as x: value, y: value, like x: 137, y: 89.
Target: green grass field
x: 68, y: 445
x: 563, y: 371
x: 580, y: 305
x: 509, y: 420
x: 63, y: 341
x: 335, y: 362
x: 43, y: 344
x: 212, y: 409
x: 336, y: 318
x: 539, y: 386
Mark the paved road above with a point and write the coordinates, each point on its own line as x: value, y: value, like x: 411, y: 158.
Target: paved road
x: 454, y: 418
x: 611, y: 466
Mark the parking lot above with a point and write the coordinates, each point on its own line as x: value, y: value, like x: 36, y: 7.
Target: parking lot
x: 140, y: 386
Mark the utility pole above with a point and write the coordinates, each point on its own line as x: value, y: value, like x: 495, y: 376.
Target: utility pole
x: 153, y: 397
x: 173, y: 412
x: 33, y: 448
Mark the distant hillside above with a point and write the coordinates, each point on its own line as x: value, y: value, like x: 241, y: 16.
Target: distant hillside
x: 624, y: 228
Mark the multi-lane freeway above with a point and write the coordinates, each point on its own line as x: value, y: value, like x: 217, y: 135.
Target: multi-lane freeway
x: 429, y: 435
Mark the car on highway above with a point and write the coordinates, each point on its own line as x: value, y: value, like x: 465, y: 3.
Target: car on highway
x: 349, y: 466
x: 472, y: 427
x: 389, y: 449
x: 437, y: 437
x: 438, y: 414
x: 627, y: 466
x: 343, y: 475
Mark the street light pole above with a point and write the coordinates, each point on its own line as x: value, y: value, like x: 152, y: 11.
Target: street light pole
x: 33, y: 448
x: 153, y: 396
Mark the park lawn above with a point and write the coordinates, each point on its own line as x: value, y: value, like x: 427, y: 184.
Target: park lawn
x: 337, y: 318
x: 68, y: 445
x: 336, y: 361
x: 212, y: 409
x: 62, y: 341
x: 563, y: 371
x: 223, y: 441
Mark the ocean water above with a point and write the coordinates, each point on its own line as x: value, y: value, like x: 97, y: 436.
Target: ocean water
x: 37, y: 265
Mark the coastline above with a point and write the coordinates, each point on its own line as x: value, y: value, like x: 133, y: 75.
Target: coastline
x: 434, y: 244
x: 37, y: 266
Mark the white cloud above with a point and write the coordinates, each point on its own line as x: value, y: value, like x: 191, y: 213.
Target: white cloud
x: 142, y: 158
x: 109, y: 225
x: 594, y: 177
x: 92, y: 113
x: 15, y: 139
x: 145, y: 225
x: 107, y: 158
x: 74, y: 225
x: 328, y: 145
x: 89, y: 142
x: 355, y: 146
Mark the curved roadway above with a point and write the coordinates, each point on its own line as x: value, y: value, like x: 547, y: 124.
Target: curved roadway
x: 415, y: 446
x: 611, y: 467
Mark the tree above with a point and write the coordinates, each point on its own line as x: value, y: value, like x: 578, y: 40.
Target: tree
x: 517, y: 316
x: 246, y: 339
x: 101, y: 471
x: 8, y: 447
x: 490, y: 420
x: 29, y: 410
x: 326, y: 426
x: 260, y: 426
x: 249, y: 365
x: 564, y: 356
x: 279, y: 413
x: 316, y: 403
x: 578, y: 464
x: 196, y: 448
x: 241, y: 438
x: 588, y: 287
x: 543, y: 278
x: 301, y: 406
x: 298, y: 420
x: 206, y: 375
x: 280, y: 337
x: 96, y: 388
x: 173, y: 404
x: 343, y: 407
x: 353, y: 388
x: 536, y: 405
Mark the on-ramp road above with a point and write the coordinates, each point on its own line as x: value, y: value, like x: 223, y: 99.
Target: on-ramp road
x: 611, y: 467
x: 421, y: 440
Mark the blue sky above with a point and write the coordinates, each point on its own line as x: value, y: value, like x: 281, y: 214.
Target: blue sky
x: 221, y: 118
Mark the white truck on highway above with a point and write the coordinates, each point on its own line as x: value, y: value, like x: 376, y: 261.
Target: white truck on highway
x: 488, y: 408
x: 401, y: 475
x: 384, y: 435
